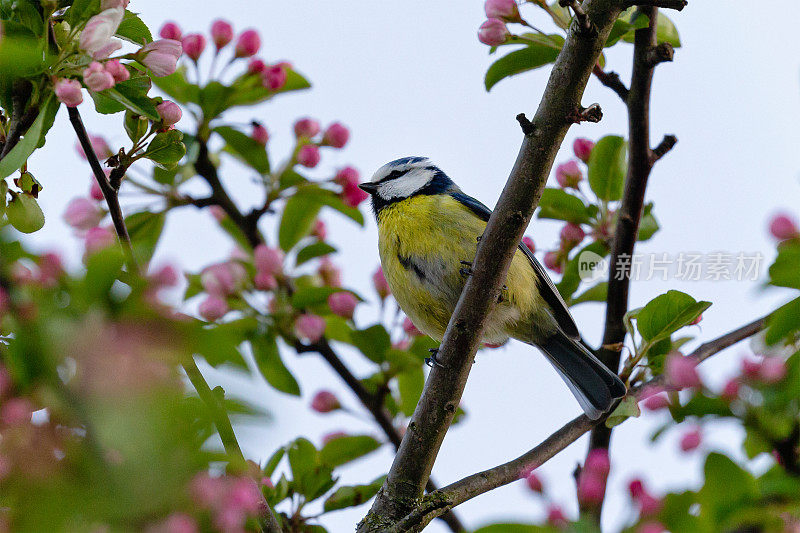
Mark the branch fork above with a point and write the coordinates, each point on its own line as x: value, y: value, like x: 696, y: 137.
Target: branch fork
x: 593, y: 113
x: 584, y: 24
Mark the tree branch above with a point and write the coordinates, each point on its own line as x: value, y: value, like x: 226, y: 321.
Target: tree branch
x: 471, y: 486
x: 612, y: 81
x: 110, y: 193
x: 445, y: 385
x: 666, y: 4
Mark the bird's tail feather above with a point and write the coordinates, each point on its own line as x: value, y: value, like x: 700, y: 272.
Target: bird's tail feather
x: 593, y: 384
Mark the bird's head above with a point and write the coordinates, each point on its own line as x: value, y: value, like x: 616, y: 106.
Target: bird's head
x: 406, y: 177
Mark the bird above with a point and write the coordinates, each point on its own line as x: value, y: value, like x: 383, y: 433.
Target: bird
x: 428, y: 230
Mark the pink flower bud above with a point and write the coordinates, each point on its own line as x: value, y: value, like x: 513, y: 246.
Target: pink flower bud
x: 68, y: 92
x: 213, y: 308
x: 352, y: 195
x: 99, y: 30
x: 83, y: 213
x: 223, y: 279
x: 582, y: 149
x: 330, y: 273
x: 783, y: 227
x: 21, y: 275
x: 51, y: 268
x: 493, y: 32
x: 308, y: 156
x: 527, y: 241
x: 534, y: 482
x: 598, y: 462
x: 380, y: 284
x: 568, y: 175
x: 342, y: 304
x: 591, y: 488
x: 256, y: 66
x: 682, y: 371
x: 649, y: 506
x: 100, y: 147
x: 325, y: 402
x: 320, y: 231
x: 207, y: 492
x: 333, y: 435
x: 556, y: 517
x: 502, y: 9
x: 244, y: 495
x: 696, y: 320
x: 117, y: 70
x: 161, y: 56
x: 336, y: 135
x: 651, y: 527
x: 653, y: 398
x: 309, y: 327
x: 269, y: 260
x: 193, y: 45
x: 108, y: 4
x: 773, y: 370
x: 16, y: 411
x: 217, y: 213
x: 248, y: 43
x: 410, y: 329
x: 95, y: 193
x: 169, y: 112
x: 264, y: 281
x: 176, y: 523
x: 221, y: 33
x: 751, y: 369
x: 259, y: 134
x: 636, y: 488
x: 306, y: 127
x: 96, y: 78
x: 274, y: 77
x: 731, y: 390
x: 98, y: 238
x: 551, y: 261
x: 166, y: 276
x: 691, y: 440
x: 572, y: 234
x: 347, y: 176
x: 171, y: 31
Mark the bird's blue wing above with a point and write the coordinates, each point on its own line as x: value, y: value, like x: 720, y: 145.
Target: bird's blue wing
x: 546, y: 286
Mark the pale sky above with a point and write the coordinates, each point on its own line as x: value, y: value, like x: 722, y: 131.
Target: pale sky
x: 407, y: 78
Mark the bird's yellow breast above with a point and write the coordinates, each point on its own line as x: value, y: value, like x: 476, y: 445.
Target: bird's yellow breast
x: 422, y: 241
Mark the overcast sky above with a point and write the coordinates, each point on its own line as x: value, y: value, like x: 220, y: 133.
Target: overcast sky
x: 407, y: 78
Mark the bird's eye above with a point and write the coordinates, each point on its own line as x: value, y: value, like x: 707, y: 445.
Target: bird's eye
x: 395, y: 174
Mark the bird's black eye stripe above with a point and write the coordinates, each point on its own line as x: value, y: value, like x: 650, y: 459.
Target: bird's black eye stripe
x: 394, y: 174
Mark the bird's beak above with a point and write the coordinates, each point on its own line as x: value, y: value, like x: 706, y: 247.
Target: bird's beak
x: 368, y: 187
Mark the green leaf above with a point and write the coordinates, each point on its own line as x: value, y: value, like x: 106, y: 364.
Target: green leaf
x: 783, y: 323
x: 130, y: 94
x: 177, y: 88
x: 341, y: 450
x: 727, y: 486
x: 666, y: 32
x: 297, y: 220
x: 272, y: 462
x: 21, y: 54
x: 245, y: 148
x: 132, y: 29
x: 531, y: 57
x: 410, y: 384
x: 219, y: 345
x: 166, y: 149
x: 517, y: 528
x: 145, y: 230
x: 249, y: 90
x: 214, y: 99
x: 312, y: 251
x: 307, y: 296
x: 25, y: 147
x: 24, y: 214
x: 629, y: 407
x: 268, y: 360
x: 558, y: 204
x: 648, y: 226
x: 373, y: 342
x: 350, y: 496
x: 784, y: 272
x: 595, y: 293
x: 667, y: 313
x: 571, y: 279
x: 311, y: 478
x: 608, y: 165
x: 82, y: 10
x: 625, y: 26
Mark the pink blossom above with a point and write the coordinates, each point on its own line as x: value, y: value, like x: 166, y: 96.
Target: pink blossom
x: 106, y: 51
x: 582, y: 149
x: 682, y: 371
x: 636, y: 488
x: 244, y: 495
x: 325, y: 401
x: 109, y: 4
x: 274, y: 77
x: 213, y: 308
x: 649, y: 505
x: 98, y: 238
x: 193, y: 45
x: 309, y: 327
x: 51, y: 268
x: 773, y: 370
x: 221, y: 33
x: 651, y: 527
x: 267, y: 259
x: 534, y: 482
x: 161, y: 56
x: 568, y: 175
x: 207, y: 491
x: 598, y: 462
x: 308, y: 156
x: 333, y: 435
x: 83, y: 213
x: 556, y: 517
x: 95, y: 192
x: 342, y: 304
x: 99, y: 30
x: 731, y: 390
x: 552, y: 261
x: 169, y: 112
x: 527, y: 241
x: 591, y: 488
x: 68, y: 92
x: 751, y: 369
x: 117, y: 70
x: 347, y: 176
x: 696, y: 320
x: 319, y: 230
x: 217, y: 213
x: 256, y: 66
x: 502, y: 9
x: 259, y: 134
x: 691, y: 440
x: 380, y: 284
x: 336, y: 135
x: 783, y: 227
x: 572, y: 234
x: 100, y: 147
x: 264, y: 281
x: 96, y: 78
x: 223, y: 279
x: 306, y: 127
x: 248, y: 43
x: 330, y: 274
x: 352, y: 195
x: 21, y: 274
x: 6, y: 384
x: 493, y: 32
x: 410, y: 329
x: 656, y: 402
x: 175, y: 523
x: 16, y: 411
x: 166, y: 276
x: 171, y: 31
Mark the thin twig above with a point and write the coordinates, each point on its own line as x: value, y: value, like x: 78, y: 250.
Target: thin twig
x: 612, y: 81
x: 471, y: 486
x: 666, y: 144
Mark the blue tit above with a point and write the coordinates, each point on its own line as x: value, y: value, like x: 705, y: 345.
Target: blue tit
x: 427, y: 228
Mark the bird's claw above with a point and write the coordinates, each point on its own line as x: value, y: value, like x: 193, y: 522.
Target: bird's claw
x: 432, y: 361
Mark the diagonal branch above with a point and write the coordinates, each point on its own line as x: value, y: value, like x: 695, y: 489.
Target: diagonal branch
x: 434, y: 413
x: 471, y: 486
